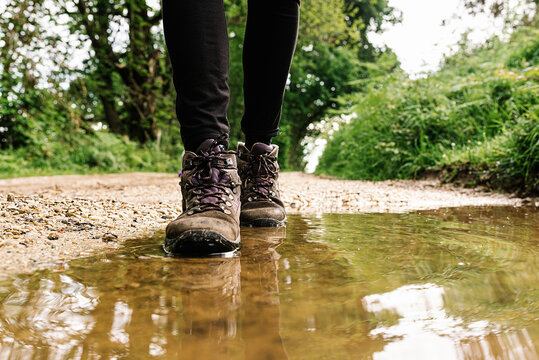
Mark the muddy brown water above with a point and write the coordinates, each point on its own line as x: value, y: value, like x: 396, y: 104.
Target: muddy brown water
x: 456, y: 283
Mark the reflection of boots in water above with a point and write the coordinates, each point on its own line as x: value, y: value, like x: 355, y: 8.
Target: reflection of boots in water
x: 259, y: 287
x: 210, y: 296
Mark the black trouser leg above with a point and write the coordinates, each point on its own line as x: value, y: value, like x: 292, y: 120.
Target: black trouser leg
x: 197, y: 41
x: 270, y: 40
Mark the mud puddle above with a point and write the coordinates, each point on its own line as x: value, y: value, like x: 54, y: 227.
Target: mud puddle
x: 455, y: 283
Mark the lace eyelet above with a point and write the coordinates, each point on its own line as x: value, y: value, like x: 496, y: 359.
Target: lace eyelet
x: 228, y: 204
x: 250, y: 199
x: 228, y: 212
x: 190, y: 212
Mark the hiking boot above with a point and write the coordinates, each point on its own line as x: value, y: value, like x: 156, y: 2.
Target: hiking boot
x: 210, y: 185
x: 261, y: 204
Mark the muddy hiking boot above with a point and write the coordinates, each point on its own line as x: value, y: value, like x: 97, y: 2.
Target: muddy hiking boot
x: 210, y: 185
x: 261, y: 204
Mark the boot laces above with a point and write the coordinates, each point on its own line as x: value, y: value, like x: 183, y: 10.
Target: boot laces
x: 210, y: 184
x: 261, y: 174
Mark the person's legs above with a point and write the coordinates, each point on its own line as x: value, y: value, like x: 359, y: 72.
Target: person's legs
x: 197, y: 41
x: 269, y: 44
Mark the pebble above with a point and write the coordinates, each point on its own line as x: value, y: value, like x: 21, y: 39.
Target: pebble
x: 108, y: 237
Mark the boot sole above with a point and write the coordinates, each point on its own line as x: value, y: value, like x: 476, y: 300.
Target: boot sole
x: 263, y: 223
x: 200, y: 243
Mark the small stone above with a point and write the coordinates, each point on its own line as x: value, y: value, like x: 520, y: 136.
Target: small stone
x: 10, y: 197
x: 108, y: 237
x: 53, y: 236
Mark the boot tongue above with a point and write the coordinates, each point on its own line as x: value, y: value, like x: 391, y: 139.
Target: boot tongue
x: 259, y: 167
x: 209, y: 176
x: 213, y: 176
x: 261, y: 149
x: 210, y: 146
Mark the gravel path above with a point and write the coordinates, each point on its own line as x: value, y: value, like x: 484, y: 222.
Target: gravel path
x: 48, y: 219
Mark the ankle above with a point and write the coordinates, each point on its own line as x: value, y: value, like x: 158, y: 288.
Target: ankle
x: 250, y: 141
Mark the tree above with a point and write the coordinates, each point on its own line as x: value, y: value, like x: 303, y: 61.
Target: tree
x: 499, y: 8
x: 21, y: 40
x: 364, y: 16
x: 132, y: 72
x: 126, y: 79
x: 331, y: 43
x: 318, y: 76
x: 326, y: 21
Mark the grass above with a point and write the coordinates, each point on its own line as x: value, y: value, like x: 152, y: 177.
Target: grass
x: 478, y: 116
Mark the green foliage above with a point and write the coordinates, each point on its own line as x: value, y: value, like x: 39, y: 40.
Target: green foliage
x: 404, y: 128
x: 325, y: 21
x: 21, y: 102
x: 323, y: 68
x: 128, y: 77
x: 80, y: 152
x: 318, y: 75
x: 519, y: 167
x: 125, y: 83
x: 527, y: 57
x: 500, y: 8
x: 364, y: 16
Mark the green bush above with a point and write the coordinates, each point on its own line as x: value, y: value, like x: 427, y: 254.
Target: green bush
x: 100, y: 152
x: 404, y: 128
x: 518, y: 167
x: 528, y: 56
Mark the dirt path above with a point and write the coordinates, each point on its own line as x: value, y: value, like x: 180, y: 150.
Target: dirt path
x: 49, y: 219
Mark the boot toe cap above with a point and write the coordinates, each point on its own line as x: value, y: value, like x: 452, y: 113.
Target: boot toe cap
x: 202, y: 222
x: 270, y: 215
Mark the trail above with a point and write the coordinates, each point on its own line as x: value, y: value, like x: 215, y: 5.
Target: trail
x: 44, y: 220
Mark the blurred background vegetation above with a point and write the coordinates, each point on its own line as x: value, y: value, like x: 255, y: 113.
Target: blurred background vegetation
x: 86, y: 86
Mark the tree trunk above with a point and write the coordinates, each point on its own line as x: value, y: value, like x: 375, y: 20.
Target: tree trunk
x: 111, y: 116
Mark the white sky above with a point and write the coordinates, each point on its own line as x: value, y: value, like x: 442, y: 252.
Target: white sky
x: 421, y: 40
